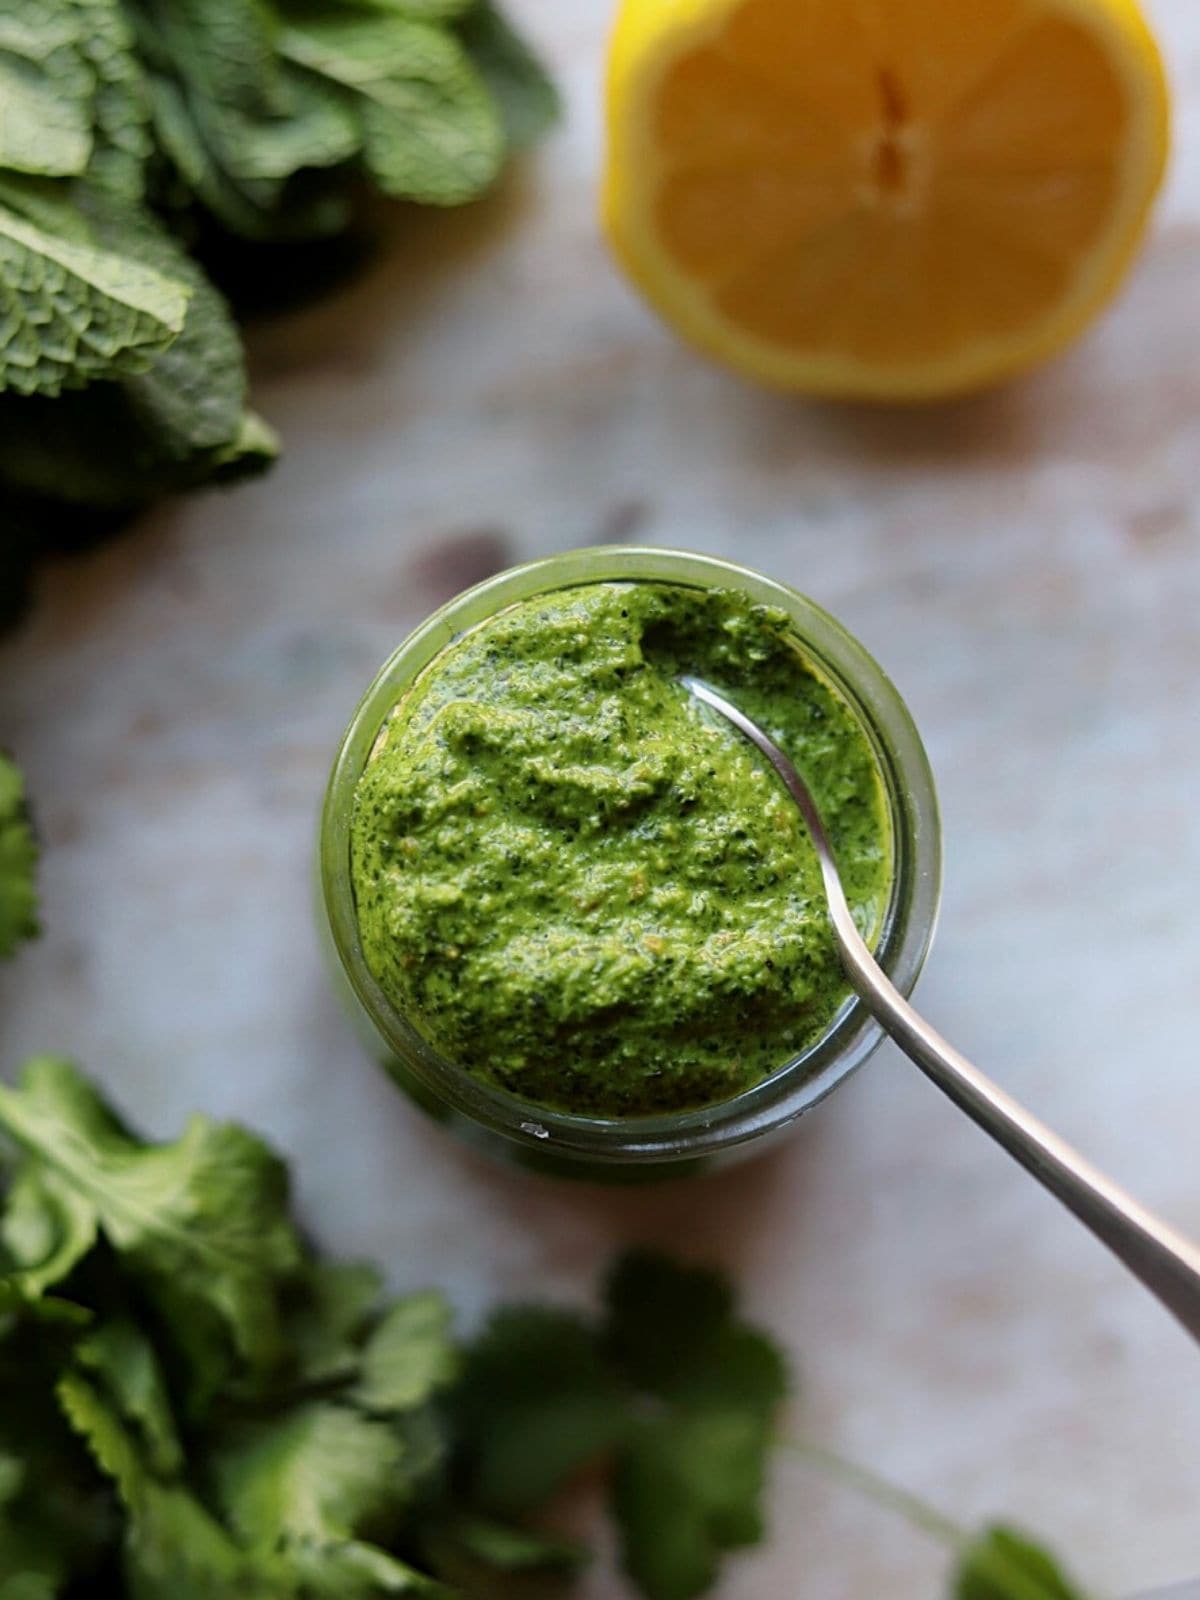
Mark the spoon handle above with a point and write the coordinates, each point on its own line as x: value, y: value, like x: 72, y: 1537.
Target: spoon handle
x: 1166, y: 1262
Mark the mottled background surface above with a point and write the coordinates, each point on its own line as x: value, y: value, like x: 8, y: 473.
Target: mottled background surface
x: 1027, y: 566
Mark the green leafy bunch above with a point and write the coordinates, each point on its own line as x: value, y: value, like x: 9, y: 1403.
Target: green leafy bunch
x: 193, y: 1406
x: 131, y: 126
x: 191, y: 1403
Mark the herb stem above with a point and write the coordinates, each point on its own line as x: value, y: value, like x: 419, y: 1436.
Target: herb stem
x: 890, y: 1496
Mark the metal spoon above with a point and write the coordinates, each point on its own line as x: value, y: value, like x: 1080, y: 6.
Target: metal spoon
x: 1166, y: 1262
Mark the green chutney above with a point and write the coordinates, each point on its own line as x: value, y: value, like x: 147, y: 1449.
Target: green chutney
x: 581, y: 886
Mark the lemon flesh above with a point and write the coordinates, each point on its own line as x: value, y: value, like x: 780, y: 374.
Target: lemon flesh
x: 881, y: 198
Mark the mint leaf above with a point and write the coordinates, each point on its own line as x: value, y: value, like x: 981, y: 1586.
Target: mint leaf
x: 535, y: 1403
x: 70, y: 313
x: 409, y: 1356
x: 181, y: 421
x: 18, y: 862
x: 1003, y: 1564
x: 44, y: 92
x: 430, y: 132
x: 201, y: 1224
x: 240, y: 123
x: 192, y: 398
x: 522, y: 89
x: 120, y: 114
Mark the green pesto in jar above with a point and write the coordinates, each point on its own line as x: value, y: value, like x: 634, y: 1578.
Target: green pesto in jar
x: 583, y: 887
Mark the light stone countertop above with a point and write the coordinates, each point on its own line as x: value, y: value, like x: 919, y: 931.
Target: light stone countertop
x: 1026, y: 566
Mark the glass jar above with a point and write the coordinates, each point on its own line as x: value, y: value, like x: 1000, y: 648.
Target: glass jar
x: 644, y: 1146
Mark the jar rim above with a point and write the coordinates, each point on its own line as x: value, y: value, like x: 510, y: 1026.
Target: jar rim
x: 853, y: 1034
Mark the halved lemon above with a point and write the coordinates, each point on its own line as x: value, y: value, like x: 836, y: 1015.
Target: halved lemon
x: 891, y: 199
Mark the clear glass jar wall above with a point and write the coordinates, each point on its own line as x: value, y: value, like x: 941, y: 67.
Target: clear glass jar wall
x: 652, y: 1145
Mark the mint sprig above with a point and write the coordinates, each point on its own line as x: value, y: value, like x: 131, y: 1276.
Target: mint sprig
x: 136, y: 136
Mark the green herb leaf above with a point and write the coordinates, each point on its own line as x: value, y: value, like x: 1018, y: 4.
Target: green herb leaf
x: 328, y: 1312
x: 119, y: 1358
x: 201, y: 1223
x: 18, y: 862
x: 421, y: 10
x: 320, y: 1473
x: 44, y: 90
x: 505, y: 1548
x: 353, y: 1570
x: 173, y: 1546
x: 535, y: 1403
x: 409, y: 1356
x: 430, y: 131
x: 689, y: 1481
x: 687, y: 1489
x: 518, y: 83
x: 120, y: 112
x: 46, y: 1230
x: 1003, y: 1564
x: 672, y: 1330
x: 70, y: 313
x: 240, y: 123
x: 57, y: 1518
x: 179, y: 422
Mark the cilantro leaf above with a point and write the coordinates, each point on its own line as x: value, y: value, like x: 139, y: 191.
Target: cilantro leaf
x: 528, y: 101
x: 505, y: 1548
x: 18, y: 860
x: 687, y: 1489
x: 328, y: 1312
x: 57, y: 1517
x: 1003, y: 1564
x: 320, y: 1472
x: 71, y: 313
x: 689, y: 1480
x: 303, y: 1489
x: 202, y: 1223
x: 672, y: 1330
x: 536, y: 1402
x: 119, y: 1359
x: 46, y: 1229
x: 409, y: 1356
x: 430, y: 131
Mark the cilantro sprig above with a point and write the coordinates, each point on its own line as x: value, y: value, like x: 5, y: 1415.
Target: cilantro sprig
x: 193, y: 1406
x: 996, y: 1563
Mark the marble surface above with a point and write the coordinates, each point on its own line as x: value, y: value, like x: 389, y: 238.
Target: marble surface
x: 1027, y: 566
